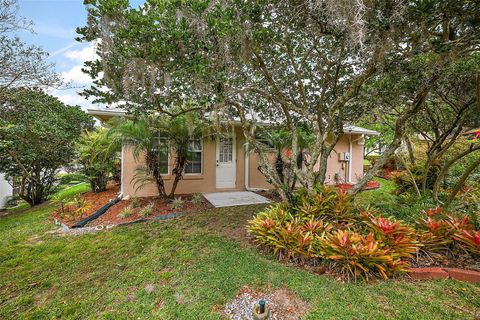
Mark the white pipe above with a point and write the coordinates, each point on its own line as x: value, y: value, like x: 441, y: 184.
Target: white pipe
x: 350, y: 158
x: 247, y: 165
x: 121, y: 170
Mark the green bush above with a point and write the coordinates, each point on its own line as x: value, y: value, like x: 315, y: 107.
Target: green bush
x: 126, y: 212
x: 68, y: 178
x: 147, y: 210
x: 404, y: 180
x: 327, y: 226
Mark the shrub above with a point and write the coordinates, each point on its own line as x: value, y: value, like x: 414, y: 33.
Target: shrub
x: 401, y: 240
x: 177, y: 203
x: 469, y: 240
x: 325, y: 202
x: 147, y: 210
x: 444, y: 231
x: 68, y: 178
x: 327, y: 226
x: 126, y: 212
x: 197, y: 198
x: 360, y: 256
x: 404, y: 180
x: 79, y: 204
x: 135, y: 202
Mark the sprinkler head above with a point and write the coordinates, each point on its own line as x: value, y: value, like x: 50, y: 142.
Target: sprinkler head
x: 261, y: 303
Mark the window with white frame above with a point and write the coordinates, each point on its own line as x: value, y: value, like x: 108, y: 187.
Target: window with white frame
x: 195, y: 150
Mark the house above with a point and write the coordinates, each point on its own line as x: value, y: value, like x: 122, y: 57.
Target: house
x: 224, y: 164
x: 6, y: 191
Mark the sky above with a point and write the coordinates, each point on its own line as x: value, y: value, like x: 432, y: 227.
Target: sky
x: 55, y: 22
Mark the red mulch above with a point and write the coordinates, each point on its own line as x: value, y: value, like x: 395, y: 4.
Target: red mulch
x: 161, y: 207
x: 95, y: 200
x: 371, y: 185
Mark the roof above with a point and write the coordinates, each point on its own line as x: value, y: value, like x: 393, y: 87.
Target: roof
x: 105, y: 114
x: 360, y: 130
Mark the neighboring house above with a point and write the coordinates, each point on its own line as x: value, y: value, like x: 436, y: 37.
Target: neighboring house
x: 6, y: 190
x: 224, y: 164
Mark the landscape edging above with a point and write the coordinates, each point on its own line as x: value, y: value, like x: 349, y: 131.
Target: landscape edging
x: 445, y: 273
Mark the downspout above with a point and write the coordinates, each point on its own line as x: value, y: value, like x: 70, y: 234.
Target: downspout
x: 350, y: 158
x: 121, y: 172
x: 247, y: 168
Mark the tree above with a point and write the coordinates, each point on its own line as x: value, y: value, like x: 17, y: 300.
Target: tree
x: 447, y: 32
x: 153, y: 138
x: 21, y: 65
x: 37, y: 137
x: 285, y: 61
x: 98, y: 157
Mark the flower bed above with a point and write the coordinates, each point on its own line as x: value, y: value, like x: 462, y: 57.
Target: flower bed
x: 74, y: 210
x: 326, y: 227
x: 84, y: 205
x: 146, y: 208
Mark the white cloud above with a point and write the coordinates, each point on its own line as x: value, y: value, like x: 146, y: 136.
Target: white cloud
x: 71, y: 97
x: 82, y: 55
x: 76, y: 76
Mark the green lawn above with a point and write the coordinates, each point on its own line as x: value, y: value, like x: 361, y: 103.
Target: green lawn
x: 69, y: 192
x: 196, y: 264
x: 382, y: 197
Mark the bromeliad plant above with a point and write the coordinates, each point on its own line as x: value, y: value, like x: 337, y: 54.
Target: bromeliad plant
x: 401, y: 240
x: 361, y: 256
x: 446, y: 232
x: 327, y: 226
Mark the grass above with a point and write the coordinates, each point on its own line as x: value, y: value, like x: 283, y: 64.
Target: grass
x: 196, y: 264
x: 382, y: 197
x: 70, y: 192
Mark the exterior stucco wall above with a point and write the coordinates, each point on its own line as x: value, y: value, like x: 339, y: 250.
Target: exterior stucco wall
x: 338, y: 168
x: 256, y: 179
x: 191, y: 183
x: 206, y: 182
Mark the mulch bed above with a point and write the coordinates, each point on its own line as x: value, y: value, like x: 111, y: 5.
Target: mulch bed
x: 95, y: 200
x: 445, y: 260
x: 161, y: 207
x: 370, y: 185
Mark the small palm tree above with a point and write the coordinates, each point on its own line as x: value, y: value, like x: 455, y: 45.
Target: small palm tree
x: 152, y: 136
x: 98, y: 157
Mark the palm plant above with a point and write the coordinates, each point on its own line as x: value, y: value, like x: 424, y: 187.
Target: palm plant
x: 281, y: 141
x: 153, y: 136
x: 98, y: 157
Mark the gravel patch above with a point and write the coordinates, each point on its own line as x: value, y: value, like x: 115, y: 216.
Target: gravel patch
x: 283, y: 304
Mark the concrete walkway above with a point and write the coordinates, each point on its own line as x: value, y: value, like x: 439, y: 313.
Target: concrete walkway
x: 237, y: 198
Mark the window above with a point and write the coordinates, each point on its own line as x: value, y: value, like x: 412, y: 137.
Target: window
x: 162, y: 149
x: 225, y: 153
x: 194, y: 163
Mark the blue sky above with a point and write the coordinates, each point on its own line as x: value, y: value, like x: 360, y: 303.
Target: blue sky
x: 54, y: 24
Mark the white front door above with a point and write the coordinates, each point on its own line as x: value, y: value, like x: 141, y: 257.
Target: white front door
x: 226, y: 162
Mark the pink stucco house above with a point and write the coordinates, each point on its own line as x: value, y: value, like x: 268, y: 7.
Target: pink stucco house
x: 224, y: 163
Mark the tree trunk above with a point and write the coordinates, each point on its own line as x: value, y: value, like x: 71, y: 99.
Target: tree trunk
x: 416, y: 105
x: 151, y: 158
x: 180, y: 163
x: 446, y: 167
x: 462, y: 180
x: 411, y: 155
